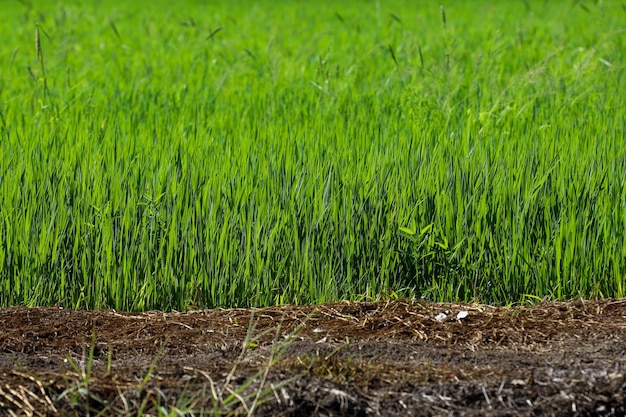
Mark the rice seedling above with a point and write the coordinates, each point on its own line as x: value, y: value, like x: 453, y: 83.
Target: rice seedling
x: 241, y: 160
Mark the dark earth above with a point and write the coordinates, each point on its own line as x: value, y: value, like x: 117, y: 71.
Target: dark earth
x: 344, y: 359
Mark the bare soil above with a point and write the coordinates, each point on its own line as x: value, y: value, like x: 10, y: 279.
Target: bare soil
x: 349, y: 359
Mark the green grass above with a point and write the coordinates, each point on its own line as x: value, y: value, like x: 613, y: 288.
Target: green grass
x: 310, y: 151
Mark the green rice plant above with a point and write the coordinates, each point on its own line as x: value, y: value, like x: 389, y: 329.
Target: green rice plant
x: 219, y: 155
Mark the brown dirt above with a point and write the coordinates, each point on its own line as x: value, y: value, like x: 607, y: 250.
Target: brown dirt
x: 352, y: 359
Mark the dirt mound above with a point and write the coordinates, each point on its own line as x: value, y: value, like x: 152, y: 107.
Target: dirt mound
x: 356, y: 359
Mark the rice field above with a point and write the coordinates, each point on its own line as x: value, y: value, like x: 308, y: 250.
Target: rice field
x: 217, y: 154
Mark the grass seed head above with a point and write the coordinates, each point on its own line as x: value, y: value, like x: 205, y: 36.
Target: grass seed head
x: 419, y: 48
x: 37, y: 43
x: 443, y: 16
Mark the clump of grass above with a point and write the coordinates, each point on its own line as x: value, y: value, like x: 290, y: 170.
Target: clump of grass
x: 176, y: 171
x: 86, y: 390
